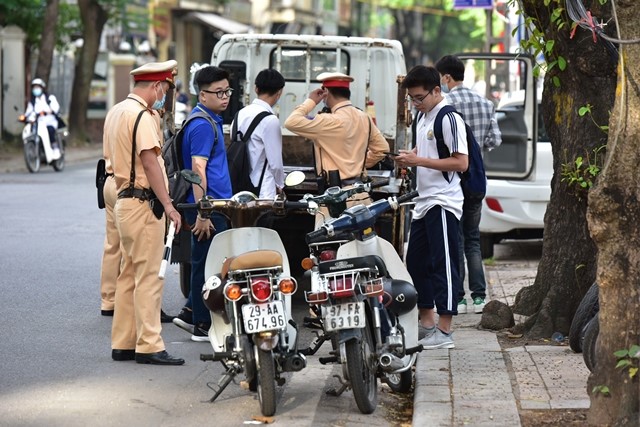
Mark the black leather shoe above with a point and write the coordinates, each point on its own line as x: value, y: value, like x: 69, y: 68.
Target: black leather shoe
x: 165, y: 318
x: 106, y: 312
x: 159, y: 358
x: 122, y: 355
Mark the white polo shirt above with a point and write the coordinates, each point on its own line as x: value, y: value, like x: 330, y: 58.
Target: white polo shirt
x: 432, y: 187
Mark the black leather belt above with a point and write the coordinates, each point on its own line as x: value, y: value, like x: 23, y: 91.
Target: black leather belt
x: 137, y: 193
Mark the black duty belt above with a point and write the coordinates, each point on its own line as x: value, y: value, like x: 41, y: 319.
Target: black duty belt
x: 137, y: 193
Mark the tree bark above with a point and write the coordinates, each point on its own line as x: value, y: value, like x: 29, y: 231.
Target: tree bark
x: 94, y: 17
x: 568, y: 263
x: 47, y: 41
x: 614, y: 222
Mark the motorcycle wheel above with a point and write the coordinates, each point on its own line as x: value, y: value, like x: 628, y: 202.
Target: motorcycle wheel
x: 266, y: 383
x: 58, y: 165
x: 32, y: 156
x: 590, y: 343
x: 587, y: 310
x: 400, y: 383
x: 362, y: 378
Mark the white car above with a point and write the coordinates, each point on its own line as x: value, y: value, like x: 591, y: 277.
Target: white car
x: 514, y: 208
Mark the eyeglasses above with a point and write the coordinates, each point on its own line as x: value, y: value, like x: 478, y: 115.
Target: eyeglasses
x: 418, y: 100
x: 220, y: 93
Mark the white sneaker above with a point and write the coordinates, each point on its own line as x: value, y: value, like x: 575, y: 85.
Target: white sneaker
x: 478, y: 305
x: 438, y: 340
x: 462, y: 306
x: 55, y: 155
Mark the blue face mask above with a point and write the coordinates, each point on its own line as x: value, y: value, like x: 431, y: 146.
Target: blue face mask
x: 159, y: 102
x: 444, y: 87
x: 36, y: 91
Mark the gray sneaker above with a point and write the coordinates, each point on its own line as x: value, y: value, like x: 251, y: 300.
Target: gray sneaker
x: 437, y: 340
x: 425, y: 332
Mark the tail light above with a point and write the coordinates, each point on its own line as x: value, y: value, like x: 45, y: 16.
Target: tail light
x: 261, y: 288
x: 328, y: 255
x: 341, y: 287
x: 307, y: 263
x: 233, y: 292
x: 287, y: 285
x: 494, y: 204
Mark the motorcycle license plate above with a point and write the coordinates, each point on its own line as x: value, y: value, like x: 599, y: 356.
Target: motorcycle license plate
x: 263, y: 317
x: 344, y: 316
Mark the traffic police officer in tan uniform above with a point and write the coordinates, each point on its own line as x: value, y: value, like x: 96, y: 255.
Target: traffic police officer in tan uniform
x: 341, y: 138
x: 141, y: 198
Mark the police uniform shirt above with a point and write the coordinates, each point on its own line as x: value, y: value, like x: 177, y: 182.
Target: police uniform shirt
x: 340, y: 137
x: 432, y: 188
x: 118, y: 134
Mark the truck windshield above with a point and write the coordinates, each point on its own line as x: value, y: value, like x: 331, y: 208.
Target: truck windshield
x: 294, y: 62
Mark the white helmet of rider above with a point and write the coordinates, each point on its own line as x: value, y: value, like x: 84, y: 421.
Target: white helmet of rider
x: 38, y: 82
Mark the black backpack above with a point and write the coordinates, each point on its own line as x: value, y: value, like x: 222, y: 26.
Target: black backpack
x: 473, y: 180
x: 238, y: 157
x: 173, y: 163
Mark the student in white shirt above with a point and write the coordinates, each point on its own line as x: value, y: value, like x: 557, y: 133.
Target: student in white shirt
x: 432, y: 253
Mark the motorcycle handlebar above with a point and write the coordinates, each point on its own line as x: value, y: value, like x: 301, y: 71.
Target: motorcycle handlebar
x: 407, y: 197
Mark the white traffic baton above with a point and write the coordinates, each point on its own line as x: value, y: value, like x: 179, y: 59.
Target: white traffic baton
x: 166, y: 256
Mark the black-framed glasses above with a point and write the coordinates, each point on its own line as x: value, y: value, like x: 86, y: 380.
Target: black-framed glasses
x: 418, y: 99
x: 220, y: 93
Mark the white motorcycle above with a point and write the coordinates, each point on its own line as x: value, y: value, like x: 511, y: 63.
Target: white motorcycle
x: 38, y: 148
x: 248, y: 292
x: 364, y: 299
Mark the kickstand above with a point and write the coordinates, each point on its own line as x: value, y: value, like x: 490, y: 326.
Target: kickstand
x: 343, y: 386
x: 226, y: 379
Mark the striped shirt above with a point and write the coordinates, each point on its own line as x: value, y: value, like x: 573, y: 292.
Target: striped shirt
x: 479, y: 113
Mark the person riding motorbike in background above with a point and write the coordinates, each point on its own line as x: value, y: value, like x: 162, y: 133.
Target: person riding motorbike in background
x: 45, y: 108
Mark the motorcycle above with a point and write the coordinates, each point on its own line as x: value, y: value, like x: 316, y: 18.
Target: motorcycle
x: 364, y: 300
x: 37, y: 147
x: 248, y: 292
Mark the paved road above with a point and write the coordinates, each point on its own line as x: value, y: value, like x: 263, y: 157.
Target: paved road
x: 55, y: 346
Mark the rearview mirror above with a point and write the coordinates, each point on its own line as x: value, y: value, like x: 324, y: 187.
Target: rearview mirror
x: 190, y: 176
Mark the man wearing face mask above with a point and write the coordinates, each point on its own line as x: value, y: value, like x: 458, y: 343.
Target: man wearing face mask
x: 480, y: 114
x: 132, y: 138
x: 45, y: 108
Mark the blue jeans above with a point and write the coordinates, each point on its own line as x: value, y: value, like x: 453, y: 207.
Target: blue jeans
x: 199, y: 251
x: 470, y: 247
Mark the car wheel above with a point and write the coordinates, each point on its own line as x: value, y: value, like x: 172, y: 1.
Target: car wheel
x: 486, y: 246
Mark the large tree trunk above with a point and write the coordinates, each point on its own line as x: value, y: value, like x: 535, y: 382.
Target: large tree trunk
x: 614, y: 221
x: 48, y: 40
x: 94, y: 18
x: 568, y: 264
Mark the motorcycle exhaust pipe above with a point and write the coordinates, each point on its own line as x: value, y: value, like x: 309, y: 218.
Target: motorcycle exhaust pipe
x: 295, y: 363
x: 390, y: 363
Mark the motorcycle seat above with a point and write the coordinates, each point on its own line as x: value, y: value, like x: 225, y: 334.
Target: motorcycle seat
x: 256, y: 259
x: 345, y: 264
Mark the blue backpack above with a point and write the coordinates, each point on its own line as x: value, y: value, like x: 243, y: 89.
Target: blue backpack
x: 474, y: 179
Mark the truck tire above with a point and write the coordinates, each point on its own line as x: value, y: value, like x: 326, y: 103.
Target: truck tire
x: 587, y: 309
x: 589, y: 345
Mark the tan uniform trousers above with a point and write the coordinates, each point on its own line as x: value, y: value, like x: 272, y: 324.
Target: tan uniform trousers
x: 136, y: 322
x: 111, y: 257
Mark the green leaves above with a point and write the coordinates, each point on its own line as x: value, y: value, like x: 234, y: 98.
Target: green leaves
x: 628, y: 358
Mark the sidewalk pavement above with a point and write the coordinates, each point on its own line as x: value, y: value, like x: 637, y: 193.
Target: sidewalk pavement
x: 479, y: 384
